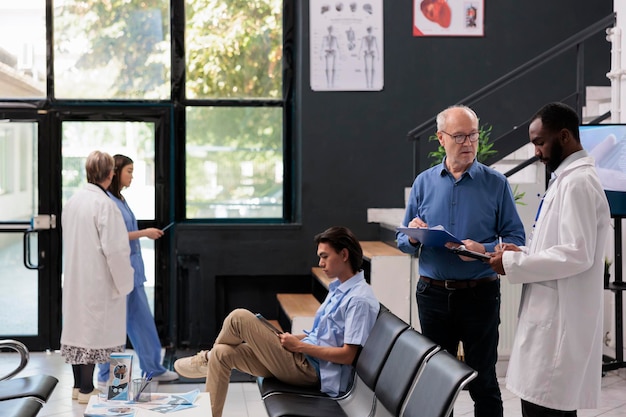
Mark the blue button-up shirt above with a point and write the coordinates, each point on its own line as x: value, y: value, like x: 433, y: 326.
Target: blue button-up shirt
x: 346, y: 316
x: 478, y: 206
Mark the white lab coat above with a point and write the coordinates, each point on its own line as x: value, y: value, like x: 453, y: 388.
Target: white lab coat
x: 97, y: 271
x: 556, y: 360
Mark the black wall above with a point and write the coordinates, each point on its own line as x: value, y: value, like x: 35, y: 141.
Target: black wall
x: 351, y: 150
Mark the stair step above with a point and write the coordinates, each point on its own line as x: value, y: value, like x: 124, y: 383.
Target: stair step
x: 321, y: 276
x: 378, y: 248
x: 298, y: 305
x: 300, y: 310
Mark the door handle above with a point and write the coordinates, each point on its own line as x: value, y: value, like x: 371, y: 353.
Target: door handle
x: 27, y: 263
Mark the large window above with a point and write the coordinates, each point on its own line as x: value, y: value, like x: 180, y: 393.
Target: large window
x: 22, y: 49
x: 234, y: 142
x: 226, y: 86
x: 113, y: 49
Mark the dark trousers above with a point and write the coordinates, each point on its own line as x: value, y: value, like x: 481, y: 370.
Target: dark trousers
x: 534, y: 410
x: 470, y: 315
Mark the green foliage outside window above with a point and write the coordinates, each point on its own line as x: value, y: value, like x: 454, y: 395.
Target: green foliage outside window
x: 121, y: 50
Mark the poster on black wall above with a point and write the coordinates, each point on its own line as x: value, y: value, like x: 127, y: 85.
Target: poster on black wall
x: 448, y: 17
x: 346, y: 45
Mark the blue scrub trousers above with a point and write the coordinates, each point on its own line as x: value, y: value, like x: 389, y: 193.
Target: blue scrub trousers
x: 142, y: 333
x: 471, y: 315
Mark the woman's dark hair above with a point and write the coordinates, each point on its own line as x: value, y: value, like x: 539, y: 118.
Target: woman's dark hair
x: 339, y: 238
x: 120, y: 162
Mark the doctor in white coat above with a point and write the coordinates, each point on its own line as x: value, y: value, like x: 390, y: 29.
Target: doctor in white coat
x: 556, y: 360
x: 97, y: 276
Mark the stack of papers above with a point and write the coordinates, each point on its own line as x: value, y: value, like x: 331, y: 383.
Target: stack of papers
x: 160, y: 403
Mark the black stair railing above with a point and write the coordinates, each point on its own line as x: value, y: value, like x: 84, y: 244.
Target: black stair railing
x: 574, y: 41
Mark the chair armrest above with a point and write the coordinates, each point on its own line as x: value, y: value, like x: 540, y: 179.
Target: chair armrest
x: 20, y: 348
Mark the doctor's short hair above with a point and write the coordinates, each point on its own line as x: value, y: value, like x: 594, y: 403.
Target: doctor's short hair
x: 558, y: 116
x: 98, y: 166
x: 340, y: 238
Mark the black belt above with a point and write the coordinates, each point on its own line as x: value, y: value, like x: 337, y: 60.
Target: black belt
x: 450, y: 284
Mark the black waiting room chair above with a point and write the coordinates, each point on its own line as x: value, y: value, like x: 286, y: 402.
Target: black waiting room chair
x: 23, y: 396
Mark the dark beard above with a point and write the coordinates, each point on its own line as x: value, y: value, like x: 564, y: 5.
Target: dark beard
x: 556, y: 156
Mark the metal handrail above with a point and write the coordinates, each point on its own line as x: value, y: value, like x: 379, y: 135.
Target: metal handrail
x: 20, y: 348
x: 523, y: 69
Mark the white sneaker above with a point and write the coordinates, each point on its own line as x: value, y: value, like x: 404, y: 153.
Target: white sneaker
x: 193, y: 366
x: 166, y: 376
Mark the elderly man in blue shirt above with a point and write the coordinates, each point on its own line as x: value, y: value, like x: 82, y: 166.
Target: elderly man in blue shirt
x: 322, y: 357
x: 459, y: 297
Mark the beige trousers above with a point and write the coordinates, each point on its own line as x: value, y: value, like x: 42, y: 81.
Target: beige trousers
x: 245, y: 344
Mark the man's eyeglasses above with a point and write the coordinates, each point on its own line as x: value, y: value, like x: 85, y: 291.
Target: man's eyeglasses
x: 473, y: 137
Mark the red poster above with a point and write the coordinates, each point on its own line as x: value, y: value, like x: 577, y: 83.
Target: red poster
x: 448, y: 17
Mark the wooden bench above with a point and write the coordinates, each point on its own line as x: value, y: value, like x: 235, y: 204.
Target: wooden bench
x: 299, y: 309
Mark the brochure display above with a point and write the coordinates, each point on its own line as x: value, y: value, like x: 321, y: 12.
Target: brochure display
x: 121, y: 366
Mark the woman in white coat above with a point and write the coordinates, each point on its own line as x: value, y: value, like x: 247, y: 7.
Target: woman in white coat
x: 97, y: 276
x: 556, y: 360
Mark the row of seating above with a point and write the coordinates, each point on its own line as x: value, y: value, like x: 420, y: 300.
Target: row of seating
x: 399, y: 372
x: 23, y: 396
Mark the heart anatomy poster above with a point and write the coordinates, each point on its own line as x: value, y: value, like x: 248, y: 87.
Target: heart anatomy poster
x: 448, y: 17
x: 346, y: 45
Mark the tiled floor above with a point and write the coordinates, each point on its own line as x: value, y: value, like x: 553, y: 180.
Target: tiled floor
x: 244, y: 400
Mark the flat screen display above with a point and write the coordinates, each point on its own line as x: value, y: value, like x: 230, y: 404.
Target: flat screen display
x: 607, y: 145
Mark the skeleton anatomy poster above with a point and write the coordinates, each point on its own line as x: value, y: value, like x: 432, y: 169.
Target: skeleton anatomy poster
x: 346, y: 45
x: 448, y: 17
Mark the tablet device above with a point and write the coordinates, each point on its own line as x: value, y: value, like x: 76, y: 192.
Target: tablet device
x: 462, y: 250
x: 268, y: 324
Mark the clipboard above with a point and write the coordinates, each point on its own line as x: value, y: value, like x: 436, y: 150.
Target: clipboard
x: 430, y: 236
x: 268, y: 324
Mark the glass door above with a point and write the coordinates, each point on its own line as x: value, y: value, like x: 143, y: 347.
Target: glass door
x: 29, y: 237
x: 135, y: 135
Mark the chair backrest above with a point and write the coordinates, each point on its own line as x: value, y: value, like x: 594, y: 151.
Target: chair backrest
x: 438, y: 386
x: 407, y: 357
x: 20, y: 348
x: 360, y: 399
x: 377, y: 347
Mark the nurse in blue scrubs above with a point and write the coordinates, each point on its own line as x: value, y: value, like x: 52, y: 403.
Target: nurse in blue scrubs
x: 140, y: 325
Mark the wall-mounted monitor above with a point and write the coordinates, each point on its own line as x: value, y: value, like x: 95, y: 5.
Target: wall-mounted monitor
x: 607, y: 145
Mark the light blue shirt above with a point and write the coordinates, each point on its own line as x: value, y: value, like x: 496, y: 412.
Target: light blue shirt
x: 478, y: 206
x: 346, y: 316
x: 136, y: 261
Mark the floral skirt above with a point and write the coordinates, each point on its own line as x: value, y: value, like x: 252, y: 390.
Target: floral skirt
x: 84, y: 356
